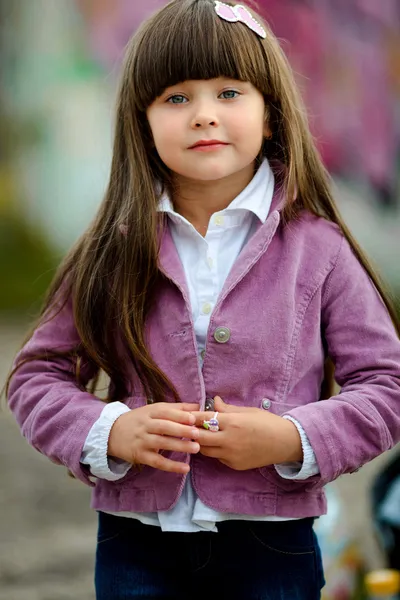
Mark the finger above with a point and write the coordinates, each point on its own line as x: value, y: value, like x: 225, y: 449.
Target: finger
x: 219, y: 405
x: 188, y: 406
x: 157, y: 461
x: 223, y: 407
x: 164, y: 427
x: 210, y: 438
x: 163, y: 442
x: 205, y: 416
x: 172, y: 412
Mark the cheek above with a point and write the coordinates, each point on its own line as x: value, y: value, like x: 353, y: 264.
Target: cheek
x: 250, y: 130
x: 163, y: 129
x: 168, y: 141
x: 249, y: 124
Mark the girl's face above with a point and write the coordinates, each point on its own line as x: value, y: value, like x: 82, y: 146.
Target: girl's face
x: 220, y: 110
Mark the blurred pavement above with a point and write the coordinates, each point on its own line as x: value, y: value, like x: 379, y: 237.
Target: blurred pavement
x: 48, y: 531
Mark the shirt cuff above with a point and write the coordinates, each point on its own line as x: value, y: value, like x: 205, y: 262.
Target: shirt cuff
x: 300, y: 470
x: 94, y: 452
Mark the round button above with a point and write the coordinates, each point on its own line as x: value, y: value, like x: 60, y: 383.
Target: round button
x: 222, y: 335
x: 206, y: 308
x: 266, y: 404
x: 209, y: 404
x: 210, y: 262
x: 202, y: 354
x: 219, y: 220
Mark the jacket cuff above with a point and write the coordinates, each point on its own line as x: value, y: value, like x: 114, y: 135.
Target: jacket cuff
x: 94, y: 452
x: 300, y: 470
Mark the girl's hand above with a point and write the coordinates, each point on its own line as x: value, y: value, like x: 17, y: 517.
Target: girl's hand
x: 249, y: 437
x: 139, y: 435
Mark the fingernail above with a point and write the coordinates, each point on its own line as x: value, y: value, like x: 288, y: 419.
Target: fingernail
x: 195, y: 433
x: 192, y: 419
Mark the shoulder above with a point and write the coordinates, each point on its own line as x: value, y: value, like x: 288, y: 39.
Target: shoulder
x: 334, y: 256
x: 320, y: 230
x: 315, y: 239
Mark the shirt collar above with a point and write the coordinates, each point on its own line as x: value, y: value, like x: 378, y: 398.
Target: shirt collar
x: 256, y: 196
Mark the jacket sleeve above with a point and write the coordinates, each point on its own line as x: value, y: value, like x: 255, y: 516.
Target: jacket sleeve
x: 363, y: 420
x: 53, y: 412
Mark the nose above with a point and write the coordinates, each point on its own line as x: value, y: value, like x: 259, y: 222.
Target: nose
x: 200, y: 123
x: 204, y: 117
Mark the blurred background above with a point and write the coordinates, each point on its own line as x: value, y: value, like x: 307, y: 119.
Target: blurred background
x: 59, y: 67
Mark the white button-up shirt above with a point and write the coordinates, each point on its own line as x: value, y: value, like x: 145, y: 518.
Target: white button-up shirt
x: 206, y: 262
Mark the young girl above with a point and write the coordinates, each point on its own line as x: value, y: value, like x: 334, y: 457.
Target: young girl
x: 212, y: 286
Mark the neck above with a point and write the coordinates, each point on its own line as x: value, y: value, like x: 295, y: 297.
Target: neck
x: 197, y: 201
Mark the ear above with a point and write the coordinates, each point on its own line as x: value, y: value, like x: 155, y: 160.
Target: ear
x: 267, y: 131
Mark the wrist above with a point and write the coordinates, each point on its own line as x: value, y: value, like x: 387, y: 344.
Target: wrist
x: 290, y: 446
x: 112, y: 446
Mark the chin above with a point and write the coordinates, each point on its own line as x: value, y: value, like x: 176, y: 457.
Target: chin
x: 208, y: 172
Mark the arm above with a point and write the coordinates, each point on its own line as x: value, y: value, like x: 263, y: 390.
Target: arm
x: 303, y: 469
x: 56, y: 415
x: 53, y: 412
x: 363, y: 420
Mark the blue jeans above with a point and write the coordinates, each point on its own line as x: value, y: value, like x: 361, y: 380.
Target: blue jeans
x: 244, y: 561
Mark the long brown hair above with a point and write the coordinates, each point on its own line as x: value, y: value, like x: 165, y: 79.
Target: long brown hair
x: 112, y: 277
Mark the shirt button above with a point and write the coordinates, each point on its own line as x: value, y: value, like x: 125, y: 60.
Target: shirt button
x: 219, y: 220
x: 222, y: 335
x: 210, y: 262
x: 266, y: 404
x: 202, y: 354
x: 206, y: 308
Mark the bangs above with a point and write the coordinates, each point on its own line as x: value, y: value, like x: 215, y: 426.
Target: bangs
x: 187, y: 40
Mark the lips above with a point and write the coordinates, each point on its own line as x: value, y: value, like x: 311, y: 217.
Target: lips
x: 208, y: 143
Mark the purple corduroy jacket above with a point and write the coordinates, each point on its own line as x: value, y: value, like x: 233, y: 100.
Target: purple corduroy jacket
x: 296, y: 294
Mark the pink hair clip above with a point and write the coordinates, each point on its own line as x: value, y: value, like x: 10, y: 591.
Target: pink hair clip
x: 239, y: 14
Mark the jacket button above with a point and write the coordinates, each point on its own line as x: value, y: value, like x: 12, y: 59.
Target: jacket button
x: 266, y: 404
x: 209, y: 404
x: 222, y: 335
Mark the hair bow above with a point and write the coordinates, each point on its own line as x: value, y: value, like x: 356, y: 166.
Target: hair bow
x: 239, y: 14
